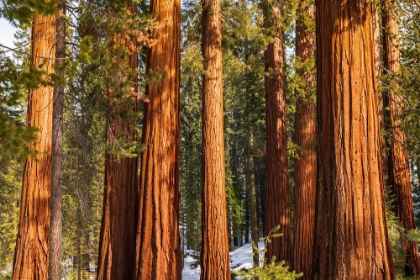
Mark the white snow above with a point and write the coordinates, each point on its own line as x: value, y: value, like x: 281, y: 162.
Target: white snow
x: 240, y: 258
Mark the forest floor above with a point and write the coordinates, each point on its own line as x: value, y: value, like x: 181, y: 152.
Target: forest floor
x: 240, y: 258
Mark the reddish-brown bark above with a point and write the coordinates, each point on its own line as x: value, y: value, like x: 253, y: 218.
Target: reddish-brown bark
x: 351, y: 233
x: 215, y: 247
x: 305, y: 130
x: 277, y: 208
x: 116, y: 258
x: 158, y: 254
x: 32, y: 245
x: 398, y: 166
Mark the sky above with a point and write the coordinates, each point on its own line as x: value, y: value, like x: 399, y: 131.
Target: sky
x: 6, y: 33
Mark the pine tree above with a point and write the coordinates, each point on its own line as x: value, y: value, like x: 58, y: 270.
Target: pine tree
x: 56, y: 206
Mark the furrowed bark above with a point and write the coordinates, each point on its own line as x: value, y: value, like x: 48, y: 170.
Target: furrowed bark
x: 32, y: 245
x: 305, y: 134
x: 116, y: 258
x: 277, y: 208
x: 56, y: 204
x: 398, y: 165
x: 215, y: 247
x: 351, y: 233
x: 158, y: 253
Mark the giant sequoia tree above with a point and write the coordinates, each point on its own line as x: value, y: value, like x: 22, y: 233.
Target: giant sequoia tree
x: 397, y: 161
x: 158, y: 254
x: 118, y: 231
x: 277, y: 208
x: 305, y: 163
x: 215, y: 247
x: 351, y: 233
x: 32, y: 246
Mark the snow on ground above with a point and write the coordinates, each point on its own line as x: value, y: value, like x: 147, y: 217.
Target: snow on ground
x: 240, y: 258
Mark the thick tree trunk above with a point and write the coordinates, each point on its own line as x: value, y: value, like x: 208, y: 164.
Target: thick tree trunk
x: 56, y: 206
x: 398, y: 166
x: 32, y: 245
x: 116, y: 258
x: 158, y: 254
x: 305, y: 130
x: 215, y: 247
x: 277, y: 208
x: 252, y: 190
x: 351, y: 233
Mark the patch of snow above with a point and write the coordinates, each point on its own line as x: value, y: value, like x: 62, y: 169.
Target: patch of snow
x: 240, y: 258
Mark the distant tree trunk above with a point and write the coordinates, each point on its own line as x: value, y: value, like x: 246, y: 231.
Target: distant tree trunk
x: 351, y: 233
x: 252, y: 190
x: 398, y: 166
x: 158, y: 254
x: 277, y: 208
x: 32, y: 245
x: 116, y: 259
x: 215, y: 262
x: 56, y: 205
x: 247, y: 211
x: 378, y: 72
x: 305, y: 130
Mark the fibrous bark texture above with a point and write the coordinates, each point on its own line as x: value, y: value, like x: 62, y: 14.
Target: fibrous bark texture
x: 277, y: 208
x: 215, y: 247
x: 158, y: 254
x: 351, y: 233
x: 305, y: 130
x: 116, y: 258
x: 56, y: 205
x: 398, y: 165
x: 32, y: 246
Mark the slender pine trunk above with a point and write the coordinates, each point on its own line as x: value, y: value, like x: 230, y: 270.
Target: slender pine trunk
x: 56, y: 204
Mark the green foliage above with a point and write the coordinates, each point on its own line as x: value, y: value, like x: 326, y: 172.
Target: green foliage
x: 15, y: 138
x: 271, y: 270
x: 10, y: 186
x: 191, y: 150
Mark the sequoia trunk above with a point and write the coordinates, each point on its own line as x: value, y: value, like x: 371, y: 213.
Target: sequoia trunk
x: 277, y: 208
x: 116, y: 259
x: 158, y: 254
x: 305, y: 130
x: 215, y: 246
x: 398, y: 166
x: 351, y: 233
x: 32, y: 245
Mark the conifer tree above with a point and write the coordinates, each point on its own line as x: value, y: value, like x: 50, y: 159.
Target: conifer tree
x: 116, y: 258
x: 398, y: 166
x: 277, y: 198
x: 56, y: 207
x: 215, y: 247
x: 32, y: 245
x: 351, y: 233
x: 305, y: 163
x: 158, y: 254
